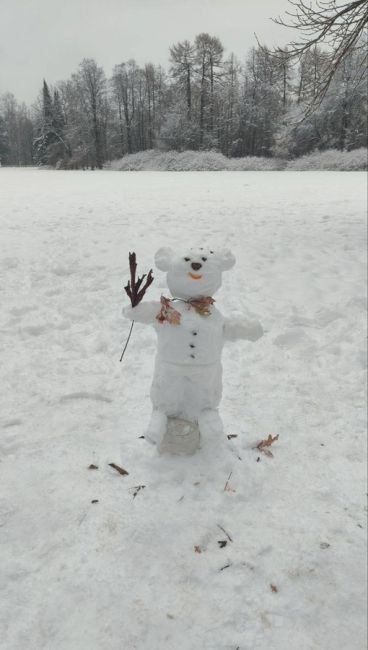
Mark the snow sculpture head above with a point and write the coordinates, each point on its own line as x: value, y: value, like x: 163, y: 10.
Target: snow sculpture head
x: 194, y: 273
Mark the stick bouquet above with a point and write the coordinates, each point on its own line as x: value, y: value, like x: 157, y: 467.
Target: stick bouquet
x: 135, y: 289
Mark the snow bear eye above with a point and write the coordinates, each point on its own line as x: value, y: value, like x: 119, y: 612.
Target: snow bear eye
x: 187, y: 259
x: 204, y: 259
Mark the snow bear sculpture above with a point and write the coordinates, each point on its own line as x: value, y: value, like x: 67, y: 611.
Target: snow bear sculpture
x: 191, y: 331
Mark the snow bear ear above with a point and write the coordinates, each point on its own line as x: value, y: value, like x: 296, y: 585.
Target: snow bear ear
x: 163, y: 258
x: 227, y: 259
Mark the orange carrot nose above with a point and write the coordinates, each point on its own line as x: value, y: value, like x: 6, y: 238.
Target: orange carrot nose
x: 195, y: 277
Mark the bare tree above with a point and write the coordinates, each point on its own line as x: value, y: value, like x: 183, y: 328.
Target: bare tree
x: 336, y: 24
x: 209, y: 52
x: 91, y: 83
x: 182, y: 60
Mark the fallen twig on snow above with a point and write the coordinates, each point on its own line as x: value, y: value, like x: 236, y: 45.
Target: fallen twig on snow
x: 222, y: 543
x: 137, y: 488
x: 121, y: 470
x: 227, y: 487
x: 225, y: 531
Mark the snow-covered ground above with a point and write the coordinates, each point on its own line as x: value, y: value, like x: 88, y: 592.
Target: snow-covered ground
x: 143, y: 569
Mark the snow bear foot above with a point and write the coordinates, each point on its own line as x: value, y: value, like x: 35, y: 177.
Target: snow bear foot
x: 210, y: 423
x: 156, y: 428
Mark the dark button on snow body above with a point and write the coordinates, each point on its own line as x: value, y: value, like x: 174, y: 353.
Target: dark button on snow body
x: 191, y: 345
x: 196, y: 266
x: 192, y: 355
x: 194, y: 333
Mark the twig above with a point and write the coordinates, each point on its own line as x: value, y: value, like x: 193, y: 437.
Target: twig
x: 127, y: 341
x: 121, y: 471
x: 227, y: 482
x: 134, y: 290
x: 224, y: 531
x: 137, y: 488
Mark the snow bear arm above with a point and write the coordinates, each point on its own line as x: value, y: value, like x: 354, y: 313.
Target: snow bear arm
x: 242, y: 328
x: 145, y: 312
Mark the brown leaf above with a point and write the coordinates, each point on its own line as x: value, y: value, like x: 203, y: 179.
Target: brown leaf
x: 168, y: 313
x: 267, y: 452
x: 174, y: 317
x: 121, y: 471
x: 267, y: 442
x: 92, y: 466
x: 197, y: 549
x: 202, y: 305
x: 274, y: 588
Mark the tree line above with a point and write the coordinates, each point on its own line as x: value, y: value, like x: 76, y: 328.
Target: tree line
x: 204, y: 101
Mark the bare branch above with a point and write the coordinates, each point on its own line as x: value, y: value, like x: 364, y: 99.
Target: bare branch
x: 331, y: 23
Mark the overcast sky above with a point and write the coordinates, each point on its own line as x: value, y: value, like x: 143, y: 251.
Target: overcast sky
x: 48, y: 38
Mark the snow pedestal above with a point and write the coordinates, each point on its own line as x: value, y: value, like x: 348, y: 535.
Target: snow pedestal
x: 182, y: 437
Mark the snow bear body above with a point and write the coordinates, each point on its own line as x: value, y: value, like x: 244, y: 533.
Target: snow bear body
x: 191, y: 332
x: 188, y: 372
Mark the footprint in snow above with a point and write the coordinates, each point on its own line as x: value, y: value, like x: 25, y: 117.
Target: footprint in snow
x: 10, y: 263
x: 62, y: 271
x: 11, y: 423
x: 20, y: 311
x: 35, y: 330
x: 6, y: 511
x: 84, y: 395
x: 291, y: 338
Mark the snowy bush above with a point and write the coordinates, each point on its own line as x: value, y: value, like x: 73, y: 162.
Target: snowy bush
x: 331, y: 160
x: 153, y: 160
x: 255, y: 163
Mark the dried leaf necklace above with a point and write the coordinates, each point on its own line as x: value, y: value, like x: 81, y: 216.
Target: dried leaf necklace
x: 168, y: 314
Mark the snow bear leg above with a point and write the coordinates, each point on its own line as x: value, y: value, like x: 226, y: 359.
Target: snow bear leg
x: 157, y: 427
x: 210, y: 423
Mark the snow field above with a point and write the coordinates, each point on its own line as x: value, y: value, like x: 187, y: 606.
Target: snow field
x: 142, y: 569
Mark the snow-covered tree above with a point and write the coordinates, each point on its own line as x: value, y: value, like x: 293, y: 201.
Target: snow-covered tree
x: 16, y: 132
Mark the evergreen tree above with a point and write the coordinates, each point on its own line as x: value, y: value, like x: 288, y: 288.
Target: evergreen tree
x: 49, y: 144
